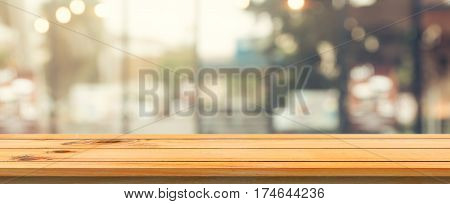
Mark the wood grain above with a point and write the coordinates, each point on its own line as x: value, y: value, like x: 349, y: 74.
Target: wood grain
x: 208, y: 155
x: 222, y: 136
x: 224, y: 144
x: 225, y: 155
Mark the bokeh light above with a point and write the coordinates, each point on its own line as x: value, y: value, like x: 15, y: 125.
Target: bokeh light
x: 362, y: 72
x: 63, y: 15
x: 380, y: 83
x: 100, y: 10
x: 358, y: 33
x: 371, y: 44
x: 242, y: 4
x: 286, y: 43
x: 22, y: 86
x: 362, y: 3
x: 350, y: 23
x: 77, y: 7
x: 41, y: 25
x: 296, y: 4
x: 432, y: 35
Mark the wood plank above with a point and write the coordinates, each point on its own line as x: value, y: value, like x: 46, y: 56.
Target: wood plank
x: 225, y: 155
x: 226, y: 165
x: 220, y: 143
x: 134, y: 169
x: 223, y: 136
x: 225, y: 180
x: 250, y: 155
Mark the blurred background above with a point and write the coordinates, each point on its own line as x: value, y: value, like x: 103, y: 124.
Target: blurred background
x: 71, y: 66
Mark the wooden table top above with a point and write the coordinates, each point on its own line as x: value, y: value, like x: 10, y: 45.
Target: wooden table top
x: 225, y: 155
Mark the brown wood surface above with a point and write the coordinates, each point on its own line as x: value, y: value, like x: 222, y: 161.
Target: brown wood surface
x: 225, y: 155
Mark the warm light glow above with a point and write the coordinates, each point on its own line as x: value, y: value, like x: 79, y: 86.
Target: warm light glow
x: 362, y: 91
x: 77, y: 7
x: 22, y: 86
x: 362, y: 72
x: 371, y: 44
x: 41, y: 25
x: 6, y: 75
x: 380, y: 83
x: 407, y: 109
x: 362, y: 3
x: 258, y: 2
x: 63, y: 15
x: 432, y: 35
x: 242, y: 4
x: 350, y: 23
x: 100, y: 10
x: 286, y: 43
x: 338, y: 4
x: 296, y: 4
x: 327, y: 54
x: 358, y: 33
